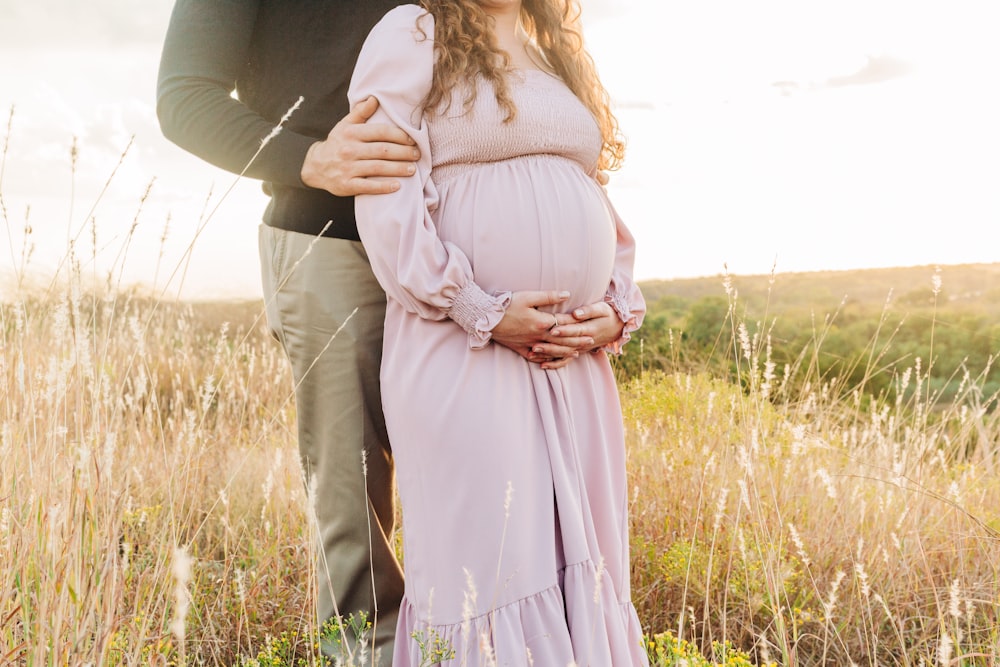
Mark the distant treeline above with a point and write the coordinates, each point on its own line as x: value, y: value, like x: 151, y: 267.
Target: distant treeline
x: 862, y: 329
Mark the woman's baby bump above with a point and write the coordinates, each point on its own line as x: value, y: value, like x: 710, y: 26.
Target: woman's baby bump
x: 531, y: 224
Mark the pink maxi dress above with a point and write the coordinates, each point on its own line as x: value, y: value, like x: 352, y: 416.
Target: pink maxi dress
x: 511, y: 478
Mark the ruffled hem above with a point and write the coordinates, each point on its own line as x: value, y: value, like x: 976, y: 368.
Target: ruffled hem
x: 478, y: 312
x: 580, y: 623
x: 619, y: 302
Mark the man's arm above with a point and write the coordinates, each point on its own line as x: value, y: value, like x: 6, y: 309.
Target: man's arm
x: 206, y: 45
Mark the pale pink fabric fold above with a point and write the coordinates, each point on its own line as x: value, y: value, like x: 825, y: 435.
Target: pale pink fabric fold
x: 623, y: 294
x: 512, y: 478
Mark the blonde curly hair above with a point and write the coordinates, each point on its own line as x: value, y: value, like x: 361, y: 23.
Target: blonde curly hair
x: 465, y: 48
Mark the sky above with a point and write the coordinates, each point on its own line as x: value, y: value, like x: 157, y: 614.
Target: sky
x: 798, y: 135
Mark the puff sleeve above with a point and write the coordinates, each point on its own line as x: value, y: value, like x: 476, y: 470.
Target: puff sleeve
x: 429, y: 277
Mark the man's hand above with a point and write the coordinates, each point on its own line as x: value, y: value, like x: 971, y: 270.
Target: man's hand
x: 524, y: 328
x: 354, y: 154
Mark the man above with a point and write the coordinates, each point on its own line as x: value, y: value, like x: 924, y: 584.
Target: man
x: 322, y: 301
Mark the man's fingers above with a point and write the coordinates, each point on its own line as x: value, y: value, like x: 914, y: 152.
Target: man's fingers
x: 363, y: 110
x: 372, y: 186
x: 375, y: 133
x: 370, y: 168
x: 355, y: 151
x: 354, y: 127
x: 383, y: 150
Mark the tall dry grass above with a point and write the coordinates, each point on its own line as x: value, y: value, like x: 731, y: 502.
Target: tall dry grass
x: 810, y: 522
x: 151, y: 503
x: 151, y: 499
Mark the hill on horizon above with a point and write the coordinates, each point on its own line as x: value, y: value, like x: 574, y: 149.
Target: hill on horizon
x: 974, y: 285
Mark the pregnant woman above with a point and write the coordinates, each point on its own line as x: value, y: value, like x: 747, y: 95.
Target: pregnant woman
x: 511, y: 474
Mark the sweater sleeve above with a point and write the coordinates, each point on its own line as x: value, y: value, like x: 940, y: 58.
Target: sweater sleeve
x: 206, y: 45
x: 623, y: 294
x: 428, y: 276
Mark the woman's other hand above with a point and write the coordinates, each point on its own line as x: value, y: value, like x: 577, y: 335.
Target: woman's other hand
x: 597, y: 322
x: 524, y: 329
x: 553, y: 340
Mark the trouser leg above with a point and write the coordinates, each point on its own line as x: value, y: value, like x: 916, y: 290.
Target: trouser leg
x: 326, y: 308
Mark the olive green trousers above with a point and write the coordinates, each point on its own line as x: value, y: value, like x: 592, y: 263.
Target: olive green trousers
x: 327, y: 310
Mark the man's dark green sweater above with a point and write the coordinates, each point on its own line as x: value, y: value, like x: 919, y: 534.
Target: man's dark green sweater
x: 271, y: 52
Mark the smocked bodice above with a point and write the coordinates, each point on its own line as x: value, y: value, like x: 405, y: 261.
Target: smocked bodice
x: 550, y: 120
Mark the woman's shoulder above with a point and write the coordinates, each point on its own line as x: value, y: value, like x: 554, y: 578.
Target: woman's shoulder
x: 406, y: 31
x: 407, y: 17
x: 397, y: 58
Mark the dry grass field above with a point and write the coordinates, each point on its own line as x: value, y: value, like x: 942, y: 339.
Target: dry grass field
x: 151, y: 509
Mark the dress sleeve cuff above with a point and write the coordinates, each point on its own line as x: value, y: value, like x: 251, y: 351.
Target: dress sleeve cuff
x: 478, y: 312
x: 619, y: 302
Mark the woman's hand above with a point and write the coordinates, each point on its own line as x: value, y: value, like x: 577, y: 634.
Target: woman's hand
x: 524, y: 328
x: 597, y: 324
x: 598, y: 321
x: 553, y: 340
